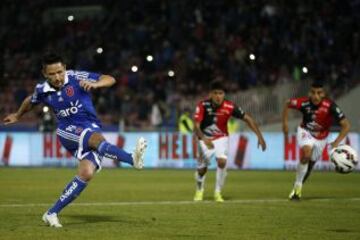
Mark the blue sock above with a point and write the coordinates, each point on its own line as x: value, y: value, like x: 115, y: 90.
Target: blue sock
x: 111, y: 151
x: 72, y: 190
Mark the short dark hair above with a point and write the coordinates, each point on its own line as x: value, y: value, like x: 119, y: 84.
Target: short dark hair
x: 317, y: 84
x: 217, y: 85
x: 51, y: 58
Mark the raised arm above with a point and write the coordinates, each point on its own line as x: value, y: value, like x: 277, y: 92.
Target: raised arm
x: 254, y: 127
x: 104, y: 81
x: 25, y: 107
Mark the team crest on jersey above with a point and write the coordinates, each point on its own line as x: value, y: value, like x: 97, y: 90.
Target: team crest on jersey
x: 69, y: 91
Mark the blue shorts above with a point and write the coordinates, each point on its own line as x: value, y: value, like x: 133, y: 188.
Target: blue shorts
x: 75, y: 139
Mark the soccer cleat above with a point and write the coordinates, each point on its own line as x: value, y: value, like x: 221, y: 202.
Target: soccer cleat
x: 199, y: 195
x: 295, y: 194
x: 138, y: 154
x: 52, y: 220
x: 218, y: 197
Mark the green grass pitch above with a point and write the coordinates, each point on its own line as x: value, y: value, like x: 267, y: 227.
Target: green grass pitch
x: 156, y: 204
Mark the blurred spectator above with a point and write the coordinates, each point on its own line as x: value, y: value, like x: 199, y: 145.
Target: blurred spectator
x: 185, y: 124
x: 174, y: 48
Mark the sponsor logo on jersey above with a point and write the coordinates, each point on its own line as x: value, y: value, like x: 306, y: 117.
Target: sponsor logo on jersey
x: 212, y: 130
x: 74, y: 109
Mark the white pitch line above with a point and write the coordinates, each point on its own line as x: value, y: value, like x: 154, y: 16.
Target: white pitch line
x: 251, y: 201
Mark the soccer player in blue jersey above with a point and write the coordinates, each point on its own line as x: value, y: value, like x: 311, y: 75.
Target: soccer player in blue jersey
x: 66, y: 92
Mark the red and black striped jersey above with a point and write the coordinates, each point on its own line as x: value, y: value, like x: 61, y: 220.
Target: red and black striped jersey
x: 317, y: 119
x: 213, y: 119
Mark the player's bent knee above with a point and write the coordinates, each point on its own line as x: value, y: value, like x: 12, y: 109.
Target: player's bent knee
x: 86, y: 170
x: 86, y: 174
x: 202, y: 171
x: 221, y: 163
x: 95, y: 139
x: 306, y: 152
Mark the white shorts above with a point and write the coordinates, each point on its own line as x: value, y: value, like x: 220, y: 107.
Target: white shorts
x: 220, y: 150
x: 304, y: 137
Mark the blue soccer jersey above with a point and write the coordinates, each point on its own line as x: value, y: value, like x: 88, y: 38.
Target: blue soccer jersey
x: 71, y: 104
x: 75, y: 112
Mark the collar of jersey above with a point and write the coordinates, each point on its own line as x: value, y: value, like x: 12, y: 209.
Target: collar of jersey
x: 48, y: 88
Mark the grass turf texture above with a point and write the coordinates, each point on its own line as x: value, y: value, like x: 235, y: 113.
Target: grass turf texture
x: 330, y: 208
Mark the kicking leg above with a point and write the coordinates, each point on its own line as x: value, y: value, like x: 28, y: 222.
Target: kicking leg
x: 98, y: 143
x: 86, y: 171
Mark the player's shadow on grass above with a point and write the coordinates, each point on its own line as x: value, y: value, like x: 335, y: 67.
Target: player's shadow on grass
x: 314, y: 198
x: 340, y: 230
x: 81, y: 219
x: 226, y: 198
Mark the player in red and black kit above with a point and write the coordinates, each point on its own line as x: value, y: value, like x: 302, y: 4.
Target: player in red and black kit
x: 319, y: 113
x: 211, y: 118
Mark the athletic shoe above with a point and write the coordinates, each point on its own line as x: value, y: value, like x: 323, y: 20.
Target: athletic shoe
x: 52, y: 220
x: 199, y: 195
x: 218, y: 197
x: 138, y: 154
x: 295, y: 194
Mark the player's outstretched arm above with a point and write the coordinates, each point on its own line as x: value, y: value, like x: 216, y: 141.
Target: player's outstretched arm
x: 253, y: 125
x: 25, y: 107
x: 345, y: 128
x: 285, y: 113
x: 104, y: 81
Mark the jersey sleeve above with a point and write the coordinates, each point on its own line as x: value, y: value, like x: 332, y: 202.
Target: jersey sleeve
x: 85, y: 76
x: 295, y: 103
x: 199, y: 113
x: 238, y: 112
x: 36, y: 96
x: 336, y: 112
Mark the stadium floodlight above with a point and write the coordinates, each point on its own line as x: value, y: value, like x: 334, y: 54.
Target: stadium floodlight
x: 305, y: 70
x: 45, y: 109
x: 99, y: 50
x: 70, y: 18
x: 171, y: 73
x: 149, y: 58
x: 134, y: 68
x: 252, y: 57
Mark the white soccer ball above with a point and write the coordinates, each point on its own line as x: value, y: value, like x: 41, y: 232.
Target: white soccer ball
x: 344, y: 158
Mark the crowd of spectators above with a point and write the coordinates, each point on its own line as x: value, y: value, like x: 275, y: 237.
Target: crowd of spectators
x: 164, y: 53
